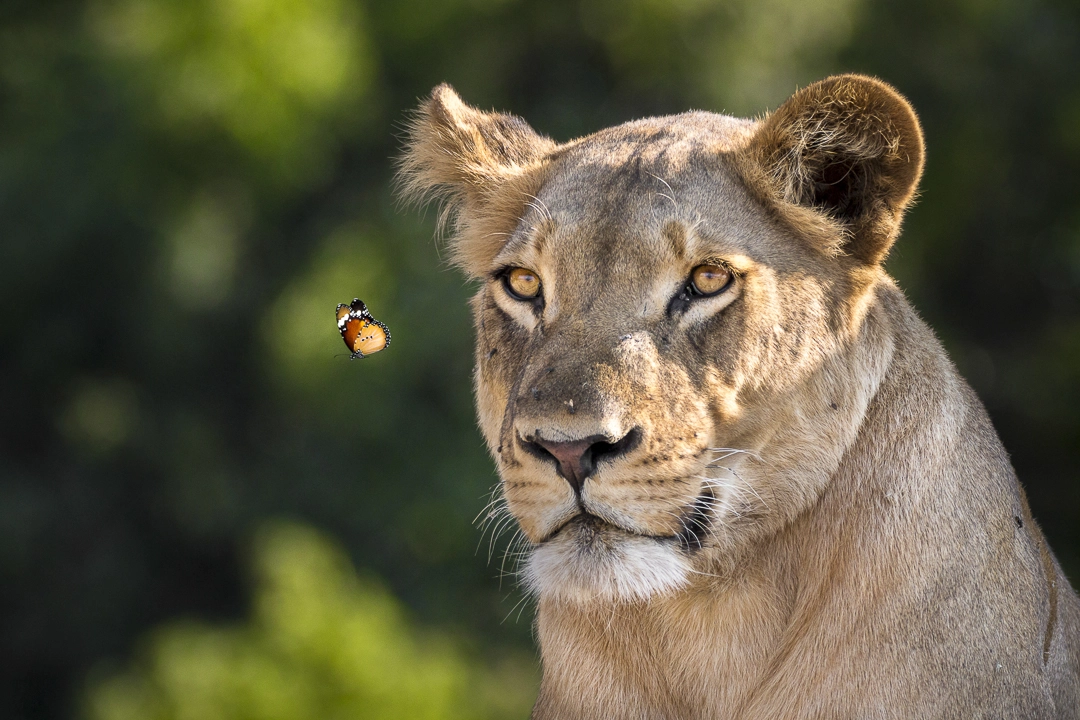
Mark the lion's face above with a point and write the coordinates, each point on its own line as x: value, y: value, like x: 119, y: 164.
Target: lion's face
x: 622, y: 401
x: 654, y: 342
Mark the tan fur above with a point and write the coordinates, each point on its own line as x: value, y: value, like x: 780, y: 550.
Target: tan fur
x: 804, y: 511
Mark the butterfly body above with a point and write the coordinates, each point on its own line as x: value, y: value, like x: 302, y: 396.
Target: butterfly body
x: 363, y: 334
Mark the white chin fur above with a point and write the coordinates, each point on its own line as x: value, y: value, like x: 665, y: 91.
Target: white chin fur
x: 633, y: 569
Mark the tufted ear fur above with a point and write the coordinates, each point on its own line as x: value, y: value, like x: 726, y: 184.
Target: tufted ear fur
x: 482, y: 166
x: 840, y: 160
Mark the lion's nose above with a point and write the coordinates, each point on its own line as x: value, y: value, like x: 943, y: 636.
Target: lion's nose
x: 577, y: 459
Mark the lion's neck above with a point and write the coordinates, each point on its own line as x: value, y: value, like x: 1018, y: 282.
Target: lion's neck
x: 678, y: 657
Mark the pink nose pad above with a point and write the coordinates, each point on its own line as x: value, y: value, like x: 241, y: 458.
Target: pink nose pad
x: 577, y: 458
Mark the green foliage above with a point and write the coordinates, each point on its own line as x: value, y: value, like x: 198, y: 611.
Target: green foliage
x: 742, y: 55
x: 321, y: 644
x: 266, y: 72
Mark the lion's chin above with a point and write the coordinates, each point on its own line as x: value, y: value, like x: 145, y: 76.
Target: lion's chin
x: 589, y: 561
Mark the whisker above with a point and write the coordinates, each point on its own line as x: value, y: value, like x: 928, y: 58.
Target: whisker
x: 504, y: 524
x: 518, y: 551
x: 497, y: 511
x: 670, y: 197
x: 519, y: 603
x: 735, y: 451
x: 745, y: 484
x: 540, y: 206
x: 514, y: 550
x: 496, y: 508
x: 495, y: 497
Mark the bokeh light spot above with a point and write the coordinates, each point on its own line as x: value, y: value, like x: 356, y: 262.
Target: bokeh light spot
x: 101, y: 415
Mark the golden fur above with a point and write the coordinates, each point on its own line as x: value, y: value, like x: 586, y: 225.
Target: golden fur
x: 780, y: 501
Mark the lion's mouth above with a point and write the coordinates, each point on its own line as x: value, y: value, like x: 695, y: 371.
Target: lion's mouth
x: 591, y: 530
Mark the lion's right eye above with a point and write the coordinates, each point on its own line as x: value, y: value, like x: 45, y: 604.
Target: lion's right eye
x: 522, y: 284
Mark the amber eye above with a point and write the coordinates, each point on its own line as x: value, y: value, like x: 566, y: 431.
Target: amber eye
x: 522, y: 284
x: 706, y: 280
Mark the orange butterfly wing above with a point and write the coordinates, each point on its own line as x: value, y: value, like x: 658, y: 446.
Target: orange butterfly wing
x: 370, y: 338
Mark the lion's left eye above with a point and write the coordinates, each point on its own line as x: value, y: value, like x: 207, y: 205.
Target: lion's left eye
x: 707, y: 280
x: 522, y: 283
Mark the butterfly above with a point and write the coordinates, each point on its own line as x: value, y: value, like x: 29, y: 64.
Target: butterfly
x: 363, y: 334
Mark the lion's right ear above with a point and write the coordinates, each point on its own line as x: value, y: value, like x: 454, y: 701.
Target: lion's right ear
x: 482, y: 166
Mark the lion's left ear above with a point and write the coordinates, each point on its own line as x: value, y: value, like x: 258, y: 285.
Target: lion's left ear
x: 482, y: 167
x: 844, y: 155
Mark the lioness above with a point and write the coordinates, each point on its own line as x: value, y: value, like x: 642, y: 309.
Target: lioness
x: 753, y: 484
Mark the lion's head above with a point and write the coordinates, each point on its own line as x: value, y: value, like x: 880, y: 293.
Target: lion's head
x: 674, y: 347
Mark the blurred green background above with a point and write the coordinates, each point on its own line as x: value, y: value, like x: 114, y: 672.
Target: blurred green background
x: 208, y: 511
